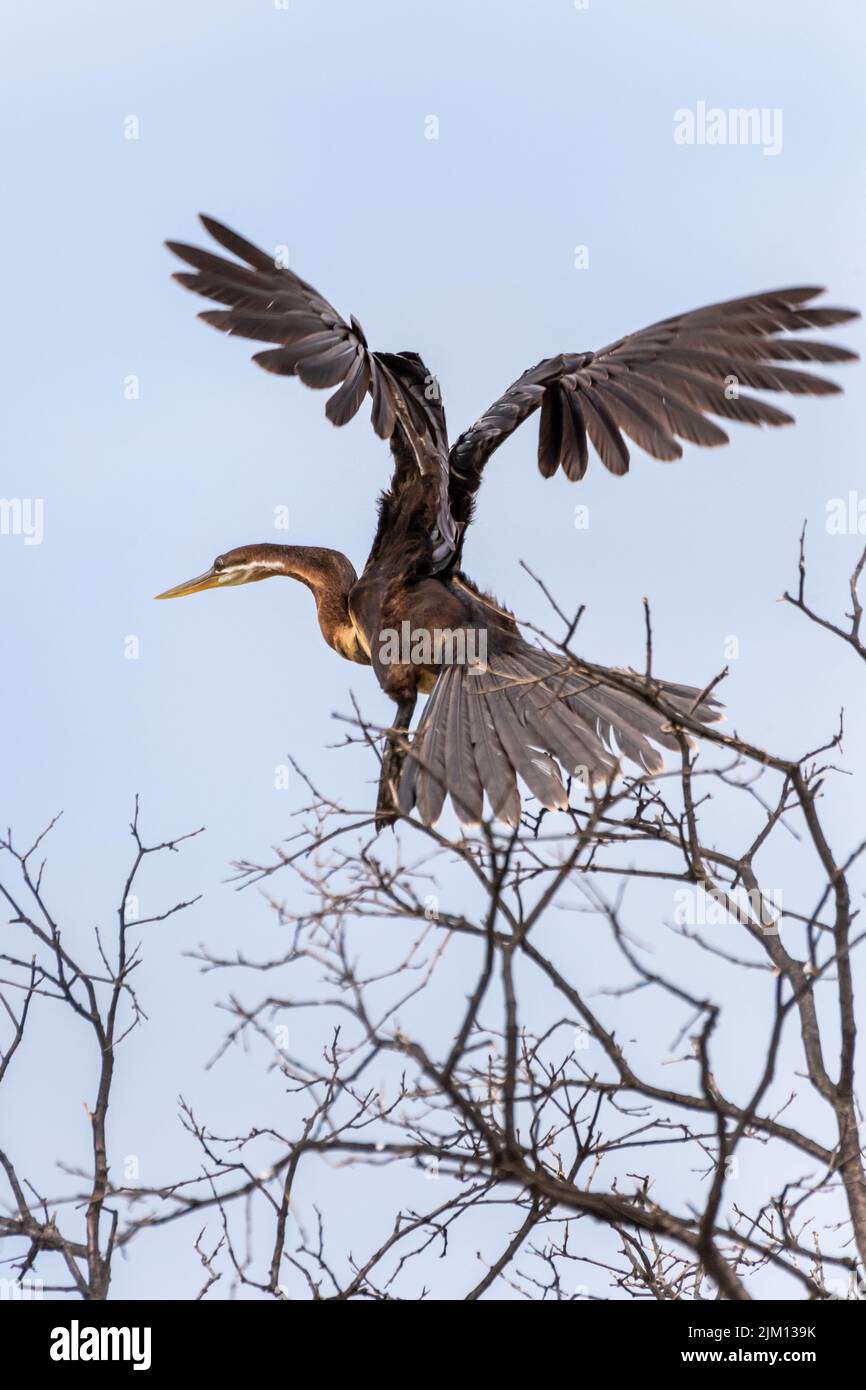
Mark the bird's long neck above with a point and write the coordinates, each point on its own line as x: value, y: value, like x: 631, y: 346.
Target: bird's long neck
x: 330, y: 576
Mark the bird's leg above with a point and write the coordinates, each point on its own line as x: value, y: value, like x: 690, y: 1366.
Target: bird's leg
x: 392, y: 763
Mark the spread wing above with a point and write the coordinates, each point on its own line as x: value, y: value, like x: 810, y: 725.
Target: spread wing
x: 657, y: 387
x: 315, y: 343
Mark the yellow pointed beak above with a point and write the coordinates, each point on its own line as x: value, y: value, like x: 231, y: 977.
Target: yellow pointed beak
x: 194, y: 586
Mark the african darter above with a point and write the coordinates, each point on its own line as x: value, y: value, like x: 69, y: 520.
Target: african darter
x: 521, y: 711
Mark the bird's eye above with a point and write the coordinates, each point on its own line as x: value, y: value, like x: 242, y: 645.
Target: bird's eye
x: 218, y: 565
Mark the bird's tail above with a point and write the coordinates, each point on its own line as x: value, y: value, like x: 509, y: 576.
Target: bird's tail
x: 530, y: 714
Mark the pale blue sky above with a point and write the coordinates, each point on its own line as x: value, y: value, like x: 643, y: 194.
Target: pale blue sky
x: 306, y: 126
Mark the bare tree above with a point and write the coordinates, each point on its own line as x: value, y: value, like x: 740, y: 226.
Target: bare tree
x: 520, y: 1051
x: 39, y: 966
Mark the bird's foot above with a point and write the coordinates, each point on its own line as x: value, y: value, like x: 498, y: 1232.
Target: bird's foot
x: 387, y: 807
x: 387, y: 810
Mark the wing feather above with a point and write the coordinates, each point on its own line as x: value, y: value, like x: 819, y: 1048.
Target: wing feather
x: 658, y: 386
x: 312, y: 341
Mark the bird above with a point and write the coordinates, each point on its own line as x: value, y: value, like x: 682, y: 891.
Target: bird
x: 501, y: 710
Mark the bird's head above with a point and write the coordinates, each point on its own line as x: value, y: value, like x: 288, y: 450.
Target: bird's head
x: 243, y: 565
x: 327, y: 573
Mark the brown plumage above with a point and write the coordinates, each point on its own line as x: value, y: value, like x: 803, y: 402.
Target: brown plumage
x: 519, y: 712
